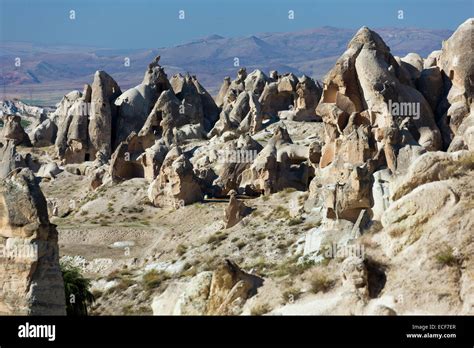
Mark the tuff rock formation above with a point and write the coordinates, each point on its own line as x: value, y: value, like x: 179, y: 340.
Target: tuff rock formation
x: 103, y: 115
x: 223, y: 291
x: 135, y: 104
x: 377, y: 157
x: 13, y: 131
x: 279, y: 95
x: 241, y: 116
x: 272, y: 169
x: 176, y: 185
x: 44, y: 134
x: 125, y: 163
x: 30, y: 278
x: 232, y: 160
x: 235, y: 211
x: 457, y: 67
x: 364, y: 130
x: 10, y: 159
x: 72, y: 141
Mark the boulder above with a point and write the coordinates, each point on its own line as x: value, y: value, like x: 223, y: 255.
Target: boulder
x: 193, y: 300
x: 272, y: 169
x: 455, y: 60
x: 308, y: 95
x: 229, y: 162
x: 220, y: 99
x: 327, y: 241
x: 10, y: 159
x: 176, y: 185
x: 152, y: 159
x: 235, y: 211
x: 405, y: 218
x: 230, y: 288
x: 44, y: 134
x: 188, y: 132
x: 354, y: 276
x: 13, y: 130
x: 166, y: 302
x: 280, y: 95
x: 413, y: 64
x: 432, y: 59
x: 223, y: 291
x: 432, y: 166
x: 255, y: 82
x: 49, y: 170
x: 191, y: 104
x: 242, y: 115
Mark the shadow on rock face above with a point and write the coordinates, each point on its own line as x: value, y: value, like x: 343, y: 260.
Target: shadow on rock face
x: 376, y: 277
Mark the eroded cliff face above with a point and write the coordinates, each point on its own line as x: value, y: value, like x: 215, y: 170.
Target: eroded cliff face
x: 30, y: 277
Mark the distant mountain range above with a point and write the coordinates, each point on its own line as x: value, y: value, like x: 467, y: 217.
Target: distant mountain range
x: 48, y: 72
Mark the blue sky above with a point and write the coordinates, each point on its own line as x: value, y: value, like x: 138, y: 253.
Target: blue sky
x: 155, y: 23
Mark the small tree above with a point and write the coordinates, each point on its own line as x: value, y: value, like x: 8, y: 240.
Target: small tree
x: 77, y: 289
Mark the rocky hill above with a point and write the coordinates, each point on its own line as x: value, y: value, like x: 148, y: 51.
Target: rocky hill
x: 280, y: 195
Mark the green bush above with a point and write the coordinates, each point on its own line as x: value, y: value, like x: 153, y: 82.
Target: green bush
x: 77, y: 290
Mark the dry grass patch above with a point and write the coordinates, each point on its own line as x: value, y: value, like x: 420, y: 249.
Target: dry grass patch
x: 446, y: 257
x: 291, y: 295
x: 153, y: 279
x: 260, y: 309
x: 181, y: 249
x: 321, y: 282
